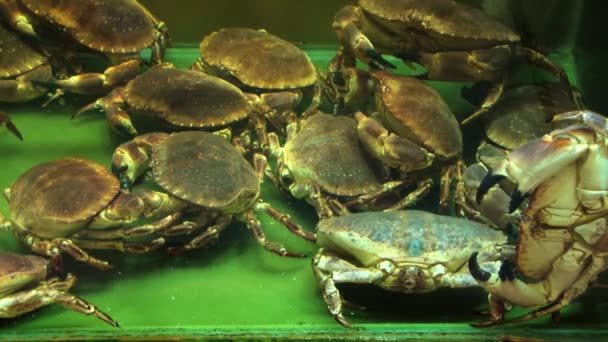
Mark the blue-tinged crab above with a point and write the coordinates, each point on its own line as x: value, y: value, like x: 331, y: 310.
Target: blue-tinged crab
x: 562, y: 232
x: 454, y: 42
x: 116, y: 29
x: 405, y: 251
x: 25, y: 286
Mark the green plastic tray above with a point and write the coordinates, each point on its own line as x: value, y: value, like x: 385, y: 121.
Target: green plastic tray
x: 237, y: 290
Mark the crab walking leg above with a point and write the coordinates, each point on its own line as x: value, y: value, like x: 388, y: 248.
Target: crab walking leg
x: 421, y: 190
x: 488, y: 102
x: 210, y: 234
x: 52, y: 248
x: 121, y: 245
x: 5, y: 121
x: 354, y: 41
x: 97, y: 83
x: 160, y: 226
x: 132, y: 159
x: 386, y: 189
x: 312, y: 192
x: 285, y: 220
x: 48, y: 292
x: 541, y: 61
x: 329, y: 271
x: 258, y: 233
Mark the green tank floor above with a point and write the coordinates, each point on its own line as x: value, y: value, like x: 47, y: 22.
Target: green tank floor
x: 237, y: 290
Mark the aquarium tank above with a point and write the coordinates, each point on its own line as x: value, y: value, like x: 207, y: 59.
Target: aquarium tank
x: 302, y: 170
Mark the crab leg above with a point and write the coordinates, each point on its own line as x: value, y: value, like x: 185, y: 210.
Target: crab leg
x: 258, y: 233
x: 5, y: 121
x: 111, y: 105
x: 386, y: 188
x: 541, y: 61
x: 422, y: 189
x: 535, y: 162
x: 121, y: 245
x: 48, y: 292
x: 286, y: 221
x: 346, y: 24
x: 52, y: 248
x: 211, y: 233
x: 329, y: 271
x: 97, y: 83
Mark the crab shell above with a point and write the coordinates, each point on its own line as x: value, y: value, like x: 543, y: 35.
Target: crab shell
x: 16, y: 56
x: 206, y: 170
x: 17, y: 271
x: 523, y: 112
x: 109, y: 26
x: 58, y: 198
x: 186, y: 98
x: 257, y: 59
x: 439, y: 25
x: 326, y: 149
x: 415, y: 111
x: 411, y: 236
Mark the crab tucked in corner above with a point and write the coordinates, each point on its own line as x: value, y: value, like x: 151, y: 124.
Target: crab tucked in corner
x: 260, y: 63
x: 182, y: 98
x: 72, y: 205
x: 323, y: 161
x: 453, y: 41
x: 406, y: 251
x: 203, y: 175
x: 25, y: 286
x: 116, y: 29
x: 412, y: 129
x: 562, y: 245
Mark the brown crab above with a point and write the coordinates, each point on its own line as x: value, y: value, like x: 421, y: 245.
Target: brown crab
x: 72, y: 205
x: 182, y: 98
x: 25, y: 286
x: 116, y: 29
x: 203, y: 173
x: 454, y: 42
x: 562, y: 231
x: 323, y: 161
x: 20, y: 63
x: 412, y: 127
x: 263, y: 64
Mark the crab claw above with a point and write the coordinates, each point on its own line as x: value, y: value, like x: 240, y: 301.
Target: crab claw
x: 476, y: 271
x: 377, y: 61
x: 591, y: 119
x: 486, y: 184
x: 5, y: 121
x: 538, y: 160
